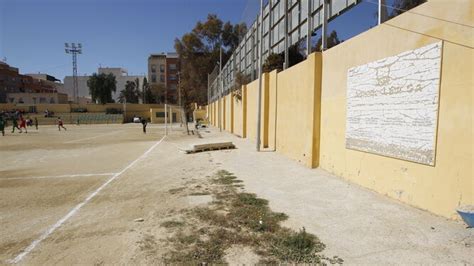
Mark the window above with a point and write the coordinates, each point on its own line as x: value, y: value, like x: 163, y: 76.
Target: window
x: 153, y: 78
x: 162, y: 78
x: 172, y: 66
x: 162, y: 68
x: 153, y: 68
x: 172, y: 77
x: 294, y: 20
x: 160, y: 114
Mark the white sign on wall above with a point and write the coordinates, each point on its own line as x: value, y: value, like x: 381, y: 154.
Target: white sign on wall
x: 392, y: 105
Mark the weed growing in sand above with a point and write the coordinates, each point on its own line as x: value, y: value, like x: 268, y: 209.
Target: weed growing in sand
x: 238, y: 218
x: 172, y: 224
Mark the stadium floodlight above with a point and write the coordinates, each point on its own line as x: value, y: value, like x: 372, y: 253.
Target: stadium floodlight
x: 72, y: 48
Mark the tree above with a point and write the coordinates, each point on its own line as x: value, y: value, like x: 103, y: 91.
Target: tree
x: 198, y: 52
x: 101, y: 87
x: 273, y: 61
x: 276, y: 61
x: 296, y: 53
x: 231, y: 35
x: 130, y: 94
x: 147, y: 95
x: 159, y: 92
x: 240, y: 80
x: 332, y: 40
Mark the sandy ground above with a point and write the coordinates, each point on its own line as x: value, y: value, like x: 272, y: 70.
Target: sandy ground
x: 359, y: 225
x: 44, y: 175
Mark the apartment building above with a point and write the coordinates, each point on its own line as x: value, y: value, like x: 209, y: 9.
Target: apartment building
x: 15, y: 87
x: 163, y: 71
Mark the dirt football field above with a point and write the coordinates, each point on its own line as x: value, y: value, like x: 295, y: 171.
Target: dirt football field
x: 59, y: 191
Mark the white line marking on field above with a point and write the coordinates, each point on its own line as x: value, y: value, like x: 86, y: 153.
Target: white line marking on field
x: 57, y: 176
x: 71, y: 213
x: 94, y: 137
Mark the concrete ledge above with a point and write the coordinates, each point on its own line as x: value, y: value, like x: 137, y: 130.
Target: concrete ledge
x: 210, y: 147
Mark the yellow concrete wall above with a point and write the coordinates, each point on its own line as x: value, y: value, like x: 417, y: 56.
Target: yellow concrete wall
x: 296, y: 98
x: 91, y: 108
x: 213, y: 112
x: 56, y: 108
x: 7, y: 106
x: 161, y: 120
x: 216, y: 117
x: 240, y: 110
x: 210, y: 113
x: 200, y: 114
x: 265, y: 113
x: 272, y: 109
x: 252, y: 105
x: 305, y: 109
x: 223, y: 112
x: 450, y: 183
x: 229, y: 113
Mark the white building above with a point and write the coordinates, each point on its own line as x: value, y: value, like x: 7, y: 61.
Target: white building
x: 121, y: 76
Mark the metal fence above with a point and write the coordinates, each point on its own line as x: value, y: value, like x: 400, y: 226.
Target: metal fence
x: 279, y: 16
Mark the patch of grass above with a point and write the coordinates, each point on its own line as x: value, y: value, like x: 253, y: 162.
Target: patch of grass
x: 171, y: 224
x: 296, y: 247
x: 200, y: 193
x: 200, y: 252
x: 211, y: 217
x: 243, y: 219
x: 183, y: 240
x: 176, y: 190
x: 224, y: 177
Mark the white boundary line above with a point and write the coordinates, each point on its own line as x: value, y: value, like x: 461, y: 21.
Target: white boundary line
x: 56, y: 176
x: 71, y: 213
x: 94, y: 137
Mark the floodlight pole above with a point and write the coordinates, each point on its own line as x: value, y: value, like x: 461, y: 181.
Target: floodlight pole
x: 74, y: 50
x: 260, y: 53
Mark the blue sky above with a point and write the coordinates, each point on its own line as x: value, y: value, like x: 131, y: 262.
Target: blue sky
x: 120, y: 33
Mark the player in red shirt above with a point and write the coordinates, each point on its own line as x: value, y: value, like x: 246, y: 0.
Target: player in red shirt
x: 23, y: 124
x: 60, y: 124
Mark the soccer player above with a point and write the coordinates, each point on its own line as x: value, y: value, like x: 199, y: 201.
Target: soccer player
x: 23, y: 124
x: 2, y: 125
x: 15, y: 124
x: 144, y: 123
x: 60, y: 124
